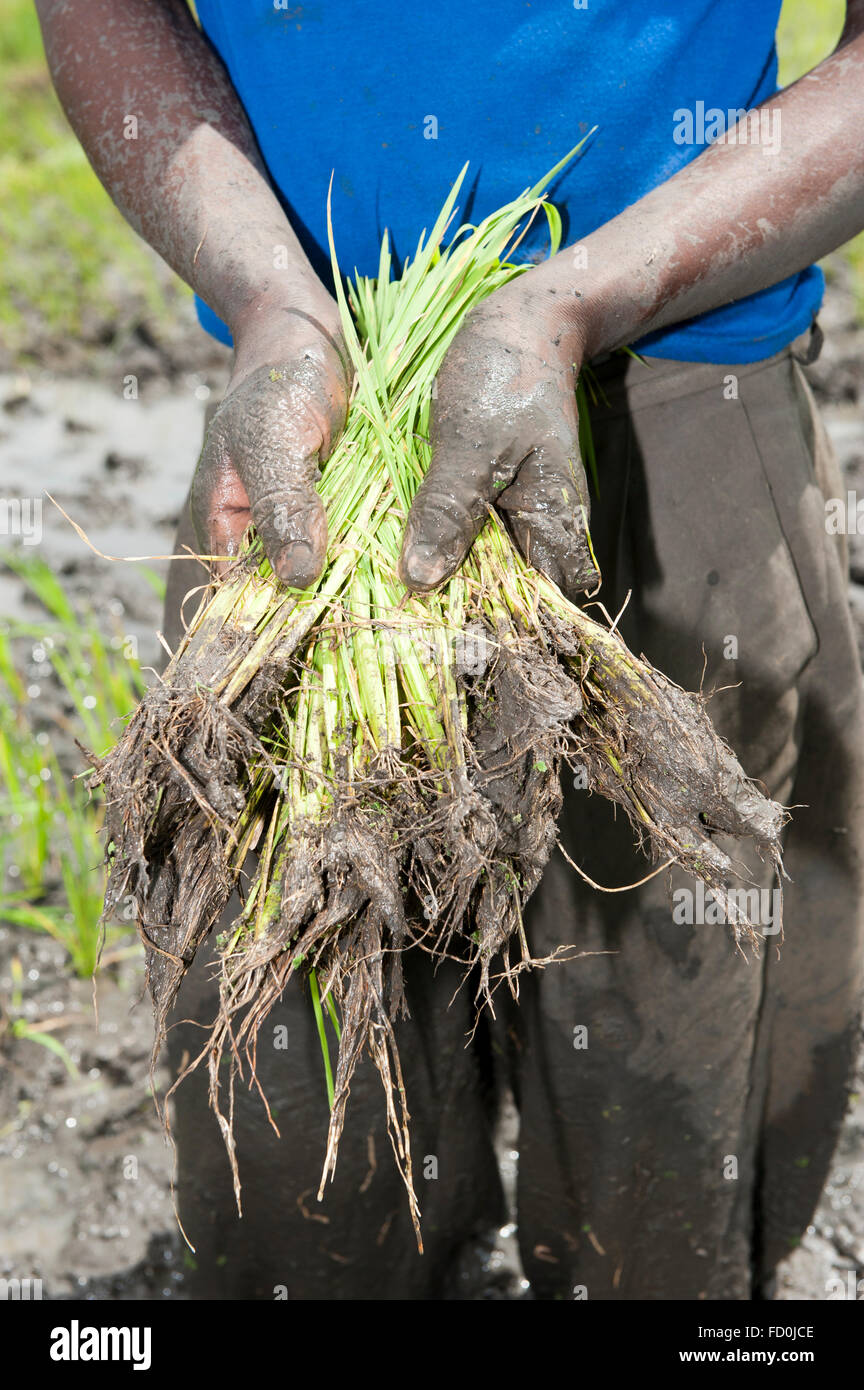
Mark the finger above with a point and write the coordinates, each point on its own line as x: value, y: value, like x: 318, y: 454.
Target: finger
x: 276, y: 454
x: 547, y: 512
x: 450, y: 508
x: 292, y: 524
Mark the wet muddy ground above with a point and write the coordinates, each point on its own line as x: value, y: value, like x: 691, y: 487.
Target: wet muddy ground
x: 84, y: 1172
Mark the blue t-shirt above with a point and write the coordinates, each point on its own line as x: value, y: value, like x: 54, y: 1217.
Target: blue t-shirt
x: 396, y: 97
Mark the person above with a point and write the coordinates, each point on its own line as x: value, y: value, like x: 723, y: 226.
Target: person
x: 678, y: 1102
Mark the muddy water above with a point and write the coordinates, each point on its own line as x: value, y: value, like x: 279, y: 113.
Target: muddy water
x: 84, y: 1173
x: 119, y: 466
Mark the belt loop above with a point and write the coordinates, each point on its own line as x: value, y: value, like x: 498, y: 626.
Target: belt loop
x: 807, y: 351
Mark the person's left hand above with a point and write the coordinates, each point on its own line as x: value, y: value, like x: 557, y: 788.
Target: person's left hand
x: 505, y: 434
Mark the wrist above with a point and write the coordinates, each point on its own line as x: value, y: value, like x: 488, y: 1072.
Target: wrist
x: 568, y: 307
x: 275, y: 325
x: 279, y: 310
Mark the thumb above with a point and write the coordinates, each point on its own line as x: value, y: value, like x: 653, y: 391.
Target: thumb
x: 273, y: 490
x: 291, y: 522
x: 275, y: 444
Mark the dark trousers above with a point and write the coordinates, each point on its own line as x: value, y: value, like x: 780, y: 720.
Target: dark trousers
x: 678, y: 1103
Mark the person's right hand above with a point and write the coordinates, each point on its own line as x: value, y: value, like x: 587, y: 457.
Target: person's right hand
x: 283, y: 411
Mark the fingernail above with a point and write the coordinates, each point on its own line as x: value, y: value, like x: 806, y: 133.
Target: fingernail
x: 298, y: 565
x: 423, y: 567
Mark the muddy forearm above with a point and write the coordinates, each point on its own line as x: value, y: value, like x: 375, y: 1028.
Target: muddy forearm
x: 734, y: 221
x: 190, y: 180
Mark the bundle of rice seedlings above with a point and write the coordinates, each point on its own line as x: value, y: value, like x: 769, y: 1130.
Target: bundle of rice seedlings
x: 375, y: 771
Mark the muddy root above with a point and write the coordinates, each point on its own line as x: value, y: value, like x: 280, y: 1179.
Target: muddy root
x: 400, y: 859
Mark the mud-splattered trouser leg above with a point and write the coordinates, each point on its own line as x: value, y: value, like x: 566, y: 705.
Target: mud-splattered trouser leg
x: 679, y: 1104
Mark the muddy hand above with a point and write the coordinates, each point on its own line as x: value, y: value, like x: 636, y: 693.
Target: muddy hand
x: 283, y: 412
x: 504, y: 434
